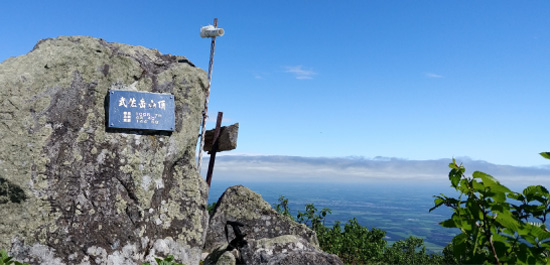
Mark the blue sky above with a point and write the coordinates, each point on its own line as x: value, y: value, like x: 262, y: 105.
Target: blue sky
x: 414, y: 80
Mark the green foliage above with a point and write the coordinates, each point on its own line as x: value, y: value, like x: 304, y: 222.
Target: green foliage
x: 410, y: 251
x: 494, y: 230
x: 210, y: 208
x: 7, y: 260
x: 311, y: 218
x: 356, y: 244
x: 167, y: 261
x: 282, y: 206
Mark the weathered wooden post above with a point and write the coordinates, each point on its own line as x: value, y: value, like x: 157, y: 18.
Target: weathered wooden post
x: 214, y: 148
x: 218, y: 140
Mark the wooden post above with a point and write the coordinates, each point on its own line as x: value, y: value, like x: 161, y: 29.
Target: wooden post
x: 214, y: 149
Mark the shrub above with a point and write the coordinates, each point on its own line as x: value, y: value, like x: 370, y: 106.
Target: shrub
x: 492, y: 229
x: 356, y: 244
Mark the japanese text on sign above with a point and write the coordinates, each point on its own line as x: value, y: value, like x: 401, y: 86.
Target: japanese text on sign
x: 141, y: 110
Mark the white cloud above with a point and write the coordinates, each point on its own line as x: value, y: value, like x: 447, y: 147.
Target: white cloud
x: 299, y: 72
x: 433, y: 75
x: 357, y: 169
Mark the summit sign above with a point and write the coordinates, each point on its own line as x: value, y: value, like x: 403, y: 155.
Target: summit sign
x: 141, y: 110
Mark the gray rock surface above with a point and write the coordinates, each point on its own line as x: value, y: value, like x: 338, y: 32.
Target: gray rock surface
x: 213, y: 256
x: 286, y: 250
x: 227, y: 258
x: 271, y: 238
x: 305, y: 258
x: 239, y: 203
x: 74, y: 192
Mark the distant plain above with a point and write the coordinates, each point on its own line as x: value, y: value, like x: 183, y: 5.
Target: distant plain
x: 399, y: 208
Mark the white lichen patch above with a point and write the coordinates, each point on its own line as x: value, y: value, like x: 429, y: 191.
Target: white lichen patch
x: 181, y: 252
x: 101, y: 157
x: 145, y: 182
x: 45, y: 255
x: 159, y: 184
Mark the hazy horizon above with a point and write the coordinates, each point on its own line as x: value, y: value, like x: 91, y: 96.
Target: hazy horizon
x: 273, y: 168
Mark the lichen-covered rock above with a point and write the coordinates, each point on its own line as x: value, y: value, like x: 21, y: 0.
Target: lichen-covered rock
x: 286, y: 250
x: 78, y: 193
x: 260, y: 220
x: 213, y: 257
x: 305, y: 258
x: 227, y: 258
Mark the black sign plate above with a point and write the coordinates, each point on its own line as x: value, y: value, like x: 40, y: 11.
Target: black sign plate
x: 141, y: 110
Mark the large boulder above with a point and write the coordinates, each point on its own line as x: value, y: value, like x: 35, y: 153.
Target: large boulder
x: 259, y: 219
x: 75, y: 192
x: 246, y: 227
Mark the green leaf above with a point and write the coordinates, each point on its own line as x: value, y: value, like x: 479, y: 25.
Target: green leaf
x: 437, y: 204
x: 545, y: 245
x: 448, y: 223
x: 478, y: 186
x: 508, y: 221
x: 516, y: 196
x: 536, y: 192
x: 539, y: 233
x: 453, y: 165
x: 545, y: 155
x: 5, y: 258
x: 456, y: 173
x: 459, y: 244
x: 490, y: 182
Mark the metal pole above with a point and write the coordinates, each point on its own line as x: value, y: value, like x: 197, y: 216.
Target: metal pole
x: 214, y: 149
x: 205, y: 112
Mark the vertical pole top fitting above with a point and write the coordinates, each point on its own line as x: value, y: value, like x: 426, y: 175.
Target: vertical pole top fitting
x: 211, y: 31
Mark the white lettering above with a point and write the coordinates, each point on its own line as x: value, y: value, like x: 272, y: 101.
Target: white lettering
x: 162, y: 104
x: 142, y: 103
x: 127, y: 116
x: 122, y: 102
